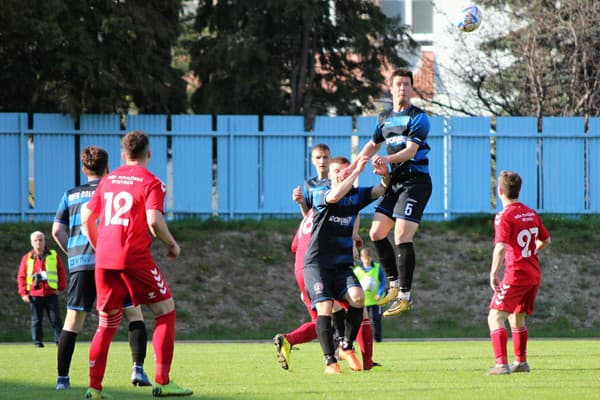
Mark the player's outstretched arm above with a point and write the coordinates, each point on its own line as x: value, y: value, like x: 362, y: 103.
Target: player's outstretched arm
x: 340, y: 190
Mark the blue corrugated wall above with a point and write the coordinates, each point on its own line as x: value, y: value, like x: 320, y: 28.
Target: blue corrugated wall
x: 237, y: 166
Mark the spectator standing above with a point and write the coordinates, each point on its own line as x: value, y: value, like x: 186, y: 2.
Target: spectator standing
x: 40, y: 278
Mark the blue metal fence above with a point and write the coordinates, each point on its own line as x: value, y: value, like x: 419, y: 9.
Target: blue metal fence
x: 236, y: 166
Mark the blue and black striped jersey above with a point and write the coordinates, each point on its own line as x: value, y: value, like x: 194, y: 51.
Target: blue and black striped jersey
x: 398, y: 128
x: 312, y: 186
x: 80, y: 253
x: 331, y: 241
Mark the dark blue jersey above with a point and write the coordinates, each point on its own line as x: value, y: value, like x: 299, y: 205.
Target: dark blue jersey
x: 314, y: 185
x: 398, y: 128
x: 331, y: 241
x: 79, y: 251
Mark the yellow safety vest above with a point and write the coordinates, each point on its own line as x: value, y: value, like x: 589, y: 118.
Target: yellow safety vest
x: 51, y: 270
x: 370, y: 278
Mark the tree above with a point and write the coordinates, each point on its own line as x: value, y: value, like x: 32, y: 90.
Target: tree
x: 89, y: 57
x: 298, y: 57
x: 546, y: 64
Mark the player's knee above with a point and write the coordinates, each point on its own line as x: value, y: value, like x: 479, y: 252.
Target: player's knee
x: 516, y: 320
x: 496, y: 319
x: 356, y: 299
x: 377, y: 234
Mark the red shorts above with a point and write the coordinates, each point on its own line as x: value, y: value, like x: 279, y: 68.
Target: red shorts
x: 305, y: 297
x: 144, y: 285
x: 515, y: 299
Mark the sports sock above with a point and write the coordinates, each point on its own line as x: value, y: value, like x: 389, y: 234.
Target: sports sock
x: 339, y: 322
x: 107, y: 326
x: 365, y: 341
x: 406, y: 265
x: 66, y: 347
x: 499, y: 339
x: 138, y: 341
x: 163, y: 342
x: 387, y: 258
x: 325, y: 335
x: 519, y: 339
x: 305, y: 333
x: 353, y: 320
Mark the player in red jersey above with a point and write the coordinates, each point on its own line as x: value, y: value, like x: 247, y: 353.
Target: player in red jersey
x: 125, y: 210
x: 519, y: 235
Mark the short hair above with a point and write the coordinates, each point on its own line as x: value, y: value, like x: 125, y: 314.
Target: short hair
x: 321, y: 147
x: 403, y: 72
x: 95, y: 159
x: 135, y: 145
x: 37, y: 233
x: 365, y: 251
x: 510, y: 182
x: 340, y: 160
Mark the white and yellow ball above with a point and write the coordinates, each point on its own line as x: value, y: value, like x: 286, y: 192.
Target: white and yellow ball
x: 469, y: 18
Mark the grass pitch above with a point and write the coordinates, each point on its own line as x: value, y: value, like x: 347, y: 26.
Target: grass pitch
x: 561, y: 369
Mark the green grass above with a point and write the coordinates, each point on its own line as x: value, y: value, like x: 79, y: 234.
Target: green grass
x: 561, y: 369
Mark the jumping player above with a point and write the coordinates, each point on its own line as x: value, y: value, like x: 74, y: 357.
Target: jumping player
x: 404, y: 130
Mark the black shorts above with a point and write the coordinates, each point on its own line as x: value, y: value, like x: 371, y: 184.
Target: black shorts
x: 328, y: 283
x: 82, y: 292
x: 406, y: 199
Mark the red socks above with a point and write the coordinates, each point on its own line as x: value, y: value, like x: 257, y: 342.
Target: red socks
x: 499, y: 339
x: 163, y: 342
x: 365, y: 341
x: 307, y: 332
x: 107, y: 327
x: 519, y: 339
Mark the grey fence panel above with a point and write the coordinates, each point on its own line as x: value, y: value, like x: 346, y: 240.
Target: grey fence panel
x: 242, y: 149
x: 436, y: 207
x: 593, y: 158
x: 563, y: 169
x: 336, y: 132
x: 192, y: 164
x: 250, y: 173
x: 283, y: 159
x: 103, y: 131
x: 470, y: 165
x: 517, y: 143
x: 13, y: 166
x: 53, y: 162
x: 156, y: 127
x: 365, y: 126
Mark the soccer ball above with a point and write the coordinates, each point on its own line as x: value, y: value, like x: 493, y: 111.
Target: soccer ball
x: 469, y: 18
x: 369, y: 284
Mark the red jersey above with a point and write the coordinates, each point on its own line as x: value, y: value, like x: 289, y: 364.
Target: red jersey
x: 121, y: 199
x: 519, y: 227
x: 302, y: 240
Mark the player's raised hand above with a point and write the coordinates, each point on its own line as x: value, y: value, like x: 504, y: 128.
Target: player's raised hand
x: 378, y: 160
x: 297, y: 195
x: 380, y: 169
x: 361, y: 162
